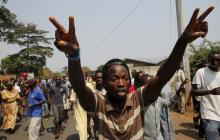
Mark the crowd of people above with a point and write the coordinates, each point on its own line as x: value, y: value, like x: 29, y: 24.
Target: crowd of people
x: 112, y: 104
x: 34, y: 99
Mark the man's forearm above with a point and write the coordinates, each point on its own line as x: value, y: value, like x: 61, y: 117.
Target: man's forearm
x: 201, y: 92
x: 76, y: 76
x: 84, y: 94
x: 167, y: 70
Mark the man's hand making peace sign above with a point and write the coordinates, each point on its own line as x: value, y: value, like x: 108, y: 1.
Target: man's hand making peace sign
x: 197, y: 27
x: 66, y: 41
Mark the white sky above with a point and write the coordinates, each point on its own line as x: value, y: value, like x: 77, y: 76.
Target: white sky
x: 150, y: 32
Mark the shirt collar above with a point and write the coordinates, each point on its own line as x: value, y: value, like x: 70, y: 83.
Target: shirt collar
x: 128, y: 103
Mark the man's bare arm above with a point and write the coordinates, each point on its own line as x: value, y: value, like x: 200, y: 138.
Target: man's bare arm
x: 68, y: 43
x: 195, y: 29
x: 199, y: 92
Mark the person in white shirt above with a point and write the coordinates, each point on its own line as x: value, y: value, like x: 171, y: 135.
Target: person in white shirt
x: 206, y: 84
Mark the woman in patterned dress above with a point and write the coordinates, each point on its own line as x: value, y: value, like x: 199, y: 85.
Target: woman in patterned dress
x: 10, y: 107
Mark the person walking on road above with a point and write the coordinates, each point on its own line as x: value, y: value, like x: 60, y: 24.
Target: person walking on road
x: 35, y: 100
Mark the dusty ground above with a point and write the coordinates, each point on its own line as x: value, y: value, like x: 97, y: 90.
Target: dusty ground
x: 183, y: 126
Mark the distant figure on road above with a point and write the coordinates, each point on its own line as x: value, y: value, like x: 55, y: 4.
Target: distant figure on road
x: 179, y: 78
x: 57, y: 92
x: 35, y: 100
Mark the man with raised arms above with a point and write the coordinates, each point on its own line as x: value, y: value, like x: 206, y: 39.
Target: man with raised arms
x: 118, y: 113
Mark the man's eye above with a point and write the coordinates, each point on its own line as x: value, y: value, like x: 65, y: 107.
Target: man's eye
x: 127, y: 79
x: 113, y: 79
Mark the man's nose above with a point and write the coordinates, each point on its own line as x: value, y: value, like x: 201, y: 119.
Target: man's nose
x: 99, y: 79
x: 121, y: 82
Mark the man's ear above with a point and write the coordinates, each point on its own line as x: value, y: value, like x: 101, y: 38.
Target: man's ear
x: 129, y: 82
x: 105, y: 85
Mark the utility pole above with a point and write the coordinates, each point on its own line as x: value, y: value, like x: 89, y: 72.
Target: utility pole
x: 185, y: 60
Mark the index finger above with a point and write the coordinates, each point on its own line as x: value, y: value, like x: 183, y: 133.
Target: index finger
x: 205, y: 14
x: 59, y: 27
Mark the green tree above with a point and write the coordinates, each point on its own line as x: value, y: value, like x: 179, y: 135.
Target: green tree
x: 199, y: 58
x: 4, y: 1
x: 8, y: 23
x: 46, y: 72
x: 33, y: 57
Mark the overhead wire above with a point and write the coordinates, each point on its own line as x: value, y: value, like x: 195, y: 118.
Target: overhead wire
x: 118, y: 25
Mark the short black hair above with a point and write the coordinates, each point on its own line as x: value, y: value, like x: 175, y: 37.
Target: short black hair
x: 97, y: 71
x: 32, y: 83
x: 111, y: 62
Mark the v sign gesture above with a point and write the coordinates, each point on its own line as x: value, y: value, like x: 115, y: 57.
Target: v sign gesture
x: 196, y: 27
x: 66, y: 41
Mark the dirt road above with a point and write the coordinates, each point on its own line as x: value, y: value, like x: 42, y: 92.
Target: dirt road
x: 183, y: 126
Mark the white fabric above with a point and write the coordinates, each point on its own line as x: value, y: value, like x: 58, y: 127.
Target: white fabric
x: 206, y: 79
x: 34, y: 128
x: 17, y: 88
x: 80, y: 117
x: 180, y: 77
x: 93, y: 88
x: 67, y: 83
x: 66, y: 100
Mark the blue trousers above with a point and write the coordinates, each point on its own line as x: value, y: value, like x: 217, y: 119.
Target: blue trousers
x: 211, y: 129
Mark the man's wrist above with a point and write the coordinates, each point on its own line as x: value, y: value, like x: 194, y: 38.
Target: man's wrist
x: 74, y: 57
x: 211, y: 92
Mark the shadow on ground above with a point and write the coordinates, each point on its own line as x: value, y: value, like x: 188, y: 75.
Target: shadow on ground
x: 189, y: 130
x: 17, y: 126
x: 3, y: 138
x: 73, y: 137
x: 187, y: 125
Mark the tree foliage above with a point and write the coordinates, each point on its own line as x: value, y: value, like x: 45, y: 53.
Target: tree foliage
x: 27, y: 60
x: 8, y: 23
x: 199, y: 58
x: 46, y: 72
x: 28, y: 36
x: 32, y: 58
x: 4, y: 1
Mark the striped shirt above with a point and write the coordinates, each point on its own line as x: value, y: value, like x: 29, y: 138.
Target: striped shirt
x: 113, y: 124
